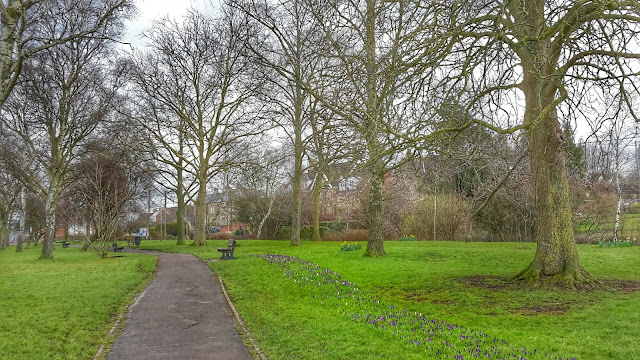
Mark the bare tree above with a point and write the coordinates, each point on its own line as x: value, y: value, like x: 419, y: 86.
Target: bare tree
x: 380, y: 65
x: 196, y: 73
x: 551, y: 54
x: 69, y: 92
x: 287, y: 53
x: 30, y: 26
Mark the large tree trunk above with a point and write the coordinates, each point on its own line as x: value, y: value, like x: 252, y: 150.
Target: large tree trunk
x: 375, y: 167
x: 50, y: 221
x: 201, y: 212
x: 556, y: 257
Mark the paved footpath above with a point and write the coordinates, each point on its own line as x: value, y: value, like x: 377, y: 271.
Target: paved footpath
x: 181, y: 315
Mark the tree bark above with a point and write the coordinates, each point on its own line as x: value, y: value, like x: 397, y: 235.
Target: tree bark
x: 201, y: 212
x: 180, y: 223
x: 20, y: 241
x: 298, y: 148
x: 4, y: 233
x: 317, y: 190
x: 375, y: 167
x: 8, y: 67
x: 266, y: 216
x: 375, y: 243
x: 616, y: 226
x: 50, y: 221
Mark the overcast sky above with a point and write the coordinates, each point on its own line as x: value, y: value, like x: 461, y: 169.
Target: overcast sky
x: 149, y: 10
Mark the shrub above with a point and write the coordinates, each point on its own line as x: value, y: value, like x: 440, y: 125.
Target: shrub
x: 347, y: 235
x: 350, y: 246
x: 407, y: 238
x: 450, y: 216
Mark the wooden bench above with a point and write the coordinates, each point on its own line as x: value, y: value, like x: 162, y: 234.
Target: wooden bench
x: 65, y: 244
x: 117, y: 248
x: 130, y: 242
x: 227, y: 253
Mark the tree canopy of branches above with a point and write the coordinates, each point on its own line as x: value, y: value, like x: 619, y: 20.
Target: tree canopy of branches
x: 195, y: 87
x: 30, y: 26
x: 68, y: 89
x: 553, y: 55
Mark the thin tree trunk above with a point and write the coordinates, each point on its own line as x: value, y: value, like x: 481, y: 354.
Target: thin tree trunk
x: 317, y: 190
x: 296, y: 180
x: 4, y: 233
x: 201, y: 212
x: 20, y: 241
x: 616, y: 226
x: 50, y: 221
x: 266, y: 216
x: 180, y: 223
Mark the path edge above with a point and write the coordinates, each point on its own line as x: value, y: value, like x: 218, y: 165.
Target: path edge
x: 253, y: 342
x: 124, y: 315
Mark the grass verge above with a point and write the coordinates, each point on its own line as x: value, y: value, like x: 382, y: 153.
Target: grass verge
x: 63, y: 309
x: 465, y: 284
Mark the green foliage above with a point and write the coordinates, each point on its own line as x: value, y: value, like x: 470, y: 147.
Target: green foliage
x: 63, y: 309
x: 463, y: 283
x: 407, y: 238
x: 350, y: 246
x: 172, y: 229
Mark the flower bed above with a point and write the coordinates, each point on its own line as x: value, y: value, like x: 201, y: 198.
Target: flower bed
x: 441, y: 338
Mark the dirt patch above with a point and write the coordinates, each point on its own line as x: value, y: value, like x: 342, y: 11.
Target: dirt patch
x: 417, y: 297
x: 625, y: 286
x: 498, y: 283
x: 493, y: 283
x: 546, y: 309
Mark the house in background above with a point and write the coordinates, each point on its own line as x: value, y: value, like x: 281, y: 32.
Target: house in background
x: 220, y: 211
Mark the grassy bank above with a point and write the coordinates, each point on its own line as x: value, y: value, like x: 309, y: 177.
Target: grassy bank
x: 464, y: 284
x: 63, y: 309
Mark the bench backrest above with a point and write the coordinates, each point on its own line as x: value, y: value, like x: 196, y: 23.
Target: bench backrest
x: 231, y: 243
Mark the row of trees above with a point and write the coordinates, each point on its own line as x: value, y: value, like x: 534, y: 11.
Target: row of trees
x: 379, y: 84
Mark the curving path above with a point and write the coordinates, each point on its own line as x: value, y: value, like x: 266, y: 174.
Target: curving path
x: 181, y: 315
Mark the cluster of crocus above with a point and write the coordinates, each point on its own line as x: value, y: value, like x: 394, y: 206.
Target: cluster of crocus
x: 441, y: 339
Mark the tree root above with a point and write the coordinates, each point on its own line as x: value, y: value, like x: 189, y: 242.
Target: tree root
x: 576, y: 278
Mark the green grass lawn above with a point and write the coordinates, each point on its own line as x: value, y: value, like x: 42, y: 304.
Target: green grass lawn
x: 63, y: 309
x: 461, y: 283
